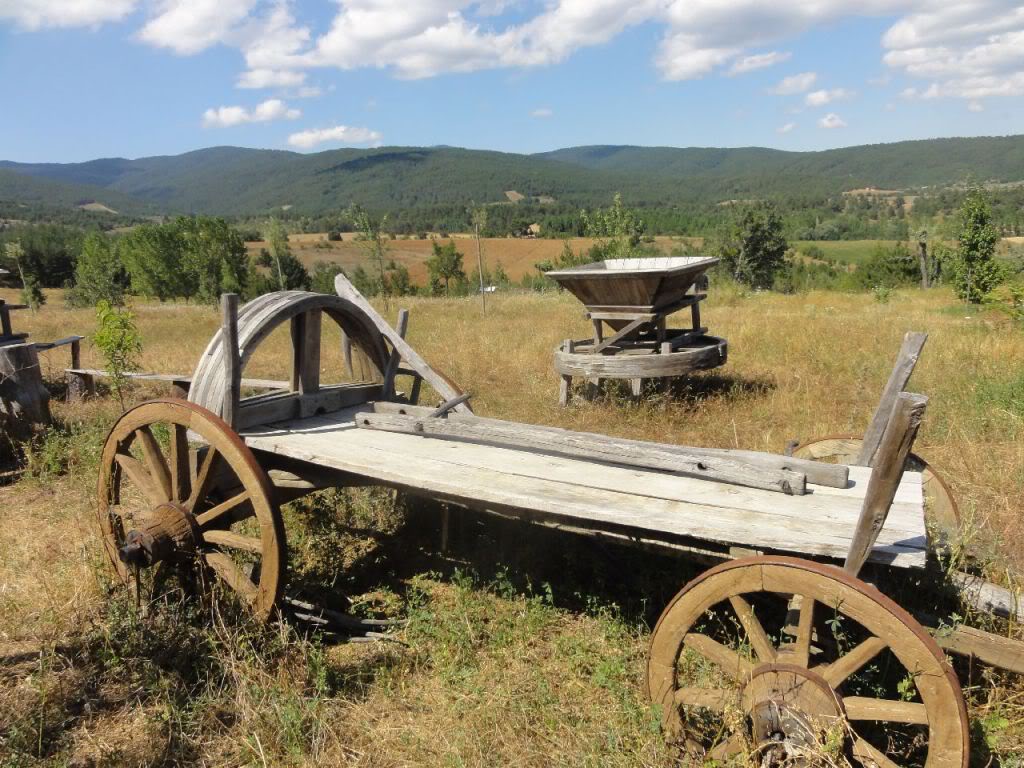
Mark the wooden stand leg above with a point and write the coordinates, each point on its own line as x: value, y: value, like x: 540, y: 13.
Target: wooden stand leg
x: 593, y: 389
x: 637, y: 386
x: 446, y: 521
x: 23, y: 398
x: 566, y: 385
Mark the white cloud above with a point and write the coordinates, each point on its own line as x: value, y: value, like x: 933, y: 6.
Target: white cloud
x: 975, y: 106
x: 36, y: 14
x: 542, y: 112
x: 758, y: 61
x: 832, y: 120
x: 823, y: 97
x: 795, y: 84
x: 785, y: 128
x: 308, y: 92
x: 971, y: 49
x: 270, y: 78
x: 191, y: 26
x: 339, y: 134
x: 264, y: 112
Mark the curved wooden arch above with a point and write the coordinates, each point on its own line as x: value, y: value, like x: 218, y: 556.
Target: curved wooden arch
x: 260, y: 317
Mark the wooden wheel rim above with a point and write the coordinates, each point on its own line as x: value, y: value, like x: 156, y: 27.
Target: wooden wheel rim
x: 934, y: 679
x: 183, y: 418
x: 941, y: 505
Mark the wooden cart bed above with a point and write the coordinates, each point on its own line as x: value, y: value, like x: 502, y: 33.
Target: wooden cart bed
x: 642, y: 503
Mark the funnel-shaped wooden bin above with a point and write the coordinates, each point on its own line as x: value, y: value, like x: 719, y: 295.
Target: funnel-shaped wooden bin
x: 633, y: 298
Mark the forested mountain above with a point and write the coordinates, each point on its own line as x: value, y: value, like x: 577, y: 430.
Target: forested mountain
x: 235, y: 181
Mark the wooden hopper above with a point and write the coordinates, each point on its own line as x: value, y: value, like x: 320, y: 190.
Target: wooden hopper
x: 633, y: 285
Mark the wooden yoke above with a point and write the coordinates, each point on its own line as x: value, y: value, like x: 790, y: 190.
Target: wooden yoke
x: 896, y: 441
x: 441, y: 383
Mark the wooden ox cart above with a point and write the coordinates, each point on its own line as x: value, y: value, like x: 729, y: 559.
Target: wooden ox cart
x: 781, y: 646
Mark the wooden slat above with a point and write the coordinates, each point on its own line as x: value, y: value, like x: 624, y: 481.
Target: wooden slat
x: 885, y: 710
x: 586, y: 446
x: 282, y: 406
x: 906, y: 360
x: 440, y: 383
x: 835, y: 475
x: 522, y: 482
x: 848, y: 664
x: 233, y: 540
x: 228, y: 570
x: 994, y: 650
x: 396, y: 357
x: 890, y: 459
x: 232, y: 364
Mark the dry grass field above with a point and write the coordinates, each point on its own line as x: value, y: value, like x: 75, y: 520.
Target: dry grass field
x: 516, y: 255
x: 523, y: 647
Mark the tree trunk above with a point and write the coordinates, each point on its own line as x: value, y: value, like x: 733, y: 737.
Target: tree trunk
x: 23, y: 398
x: 922, y: 260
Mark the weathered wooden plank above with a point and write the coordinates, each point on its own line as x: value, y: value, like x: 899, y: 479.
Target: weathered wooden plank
x: 587, y: 446
x: 986, y: 596
x: 896, y: 442
x: 44, y: 346
x: 991, y: 649
x: 906, y: 360
x: 283, y: 406
x: 835, y: 475
x: 396, y: 358
x: 520, y: 482
x: 439, y: 382
x: 709, y: 354
x: 232, y: 363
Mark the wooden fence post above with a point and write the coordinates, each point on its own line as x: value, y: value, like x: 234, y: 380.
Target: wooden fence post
x: 23, y: 397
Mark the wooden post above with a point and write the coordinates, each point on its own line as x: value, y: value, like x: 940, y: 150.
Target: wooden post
x: 232, y: 363
x: 480, y: 268
x: 388, y: 390
x: 566, y: 385
x: 79, y: 384
x: 910, y: 351
x: 305, y: 376
x: 23, y: 397
x: 5, y: 319
x: 897, y: 439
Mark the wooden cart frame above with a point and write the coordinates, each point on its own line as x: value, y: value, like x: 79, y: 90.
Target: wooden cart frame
x: 199, y: 483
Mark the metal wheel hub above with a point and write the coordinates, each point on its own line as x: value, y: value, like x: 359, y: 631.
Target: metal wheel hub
x: 168, y: 532
x: 790, y: 707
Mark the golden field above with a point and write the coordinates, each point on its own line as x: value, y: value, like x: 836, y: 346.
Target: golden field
x: 522, y: 649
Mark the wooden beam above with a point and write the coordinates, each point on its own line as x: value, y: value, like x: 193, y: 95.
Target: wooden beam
x: 906, y: 360
x: 988, y: 597
x: 396, y: 358
x: 582, y: 445
x: 232, y: 362
x: 444, y: 387
x: 819, y: 473
x: 897, y: 439
x: 618, y: 336
x: 993, y: 650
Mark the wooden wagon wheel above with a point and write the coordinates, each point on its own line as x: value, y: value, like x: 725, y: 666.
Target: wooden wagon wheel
x: 177, y: 485
x: 941, y: 509
x: 786, y: 658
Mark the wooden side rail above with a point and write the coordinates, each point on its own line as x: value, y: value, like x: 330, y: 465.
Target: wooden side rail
x: 180, y: 382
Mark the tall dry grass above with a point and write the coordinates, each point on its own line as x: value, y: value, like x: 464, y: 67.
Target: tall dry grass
x: 496, y: 668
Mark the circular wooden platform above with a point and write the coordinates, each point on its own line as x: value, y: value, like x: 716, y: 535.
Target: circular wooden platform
x: 698, y: 353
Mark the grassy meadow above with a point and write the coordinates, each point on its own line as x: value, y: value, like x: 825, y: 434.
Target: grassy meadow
x: 523, y: 647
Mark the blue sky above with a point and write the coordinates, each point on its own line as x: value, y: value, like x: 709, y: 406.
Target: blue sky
x: 101, y: 78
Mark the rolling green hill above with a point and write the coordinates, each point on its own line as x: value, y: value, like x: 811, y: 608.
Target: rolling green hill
x: 235, y: 181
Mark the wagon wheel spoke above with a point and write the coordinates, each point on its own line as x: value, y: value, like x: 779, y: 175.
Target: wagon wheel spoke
x: 731, y: 663
x: 158, y: 471
x: 228, y: 570
x: 140, y: 478
x: 233, y: 540
x: 845, y: 666
x: 755, y: 632
x: 204, y: 477
x: 869, y: 756
x: 216, y: 515
x: 800, y: 653
x: 715, y: 699
x: 731, y: 746
x: 179, y: 460
x: 885, y: 710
